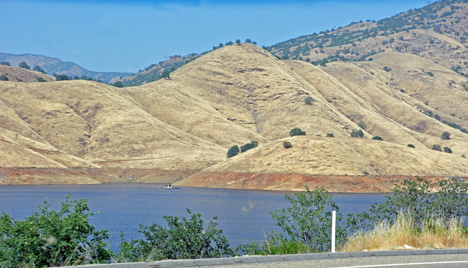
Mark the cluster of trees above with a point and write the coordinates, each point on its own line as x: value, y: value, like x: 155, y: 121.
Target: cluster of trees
x: 424, y: 18
x: 62, y: 238
x: 234, y: 150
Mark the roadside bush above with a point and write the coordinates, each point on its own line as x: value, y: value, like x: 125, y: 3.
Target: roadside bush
x: 296, y: 132
x: 434, y: 233
x: 308, y: 220
x: 447, y: 150
x: 287, y: 144
x: 308, y: 100
x: 305, y: 226
x: 330, y: 135
x: 411, y: 145
x: 274, y: 245
x: 233, y: 151
x: 436, y: 147
x: 377, y: 138
x: 52, y: 238
x: 357, y: 133
x: 421, y: 198
x: 183, y: 239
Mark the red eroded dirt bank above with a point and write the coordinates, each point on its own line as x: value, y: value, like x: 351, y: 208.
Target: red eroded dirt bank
x: 21, y: 176
x: 295, y: 182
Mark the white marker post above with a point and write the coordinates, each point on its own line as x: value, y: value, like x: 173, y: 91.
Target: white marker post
x: 333, y: 231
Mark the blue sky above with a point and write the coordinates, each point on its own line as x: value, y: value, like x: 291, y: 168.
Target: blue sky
x: 128, y: 35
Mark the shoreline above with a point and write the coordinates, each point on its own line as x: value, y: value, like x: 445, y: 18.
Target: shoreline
x: 196, y: 178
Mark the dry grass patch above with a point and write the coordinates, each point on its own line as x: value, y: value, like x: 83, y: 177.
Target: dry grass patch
x: 404, y: 234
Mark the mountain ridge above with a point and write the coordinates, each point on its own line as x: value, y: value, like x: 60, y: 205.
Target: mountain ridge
x: 53, y: 66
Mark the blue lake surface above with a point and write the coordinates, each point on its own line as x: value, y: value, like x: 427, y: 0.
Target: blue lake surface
x: 242, y: 215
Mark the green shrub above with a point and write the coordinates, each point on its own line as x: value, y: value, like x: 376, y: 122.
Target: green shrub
x: 233, y: 151
x: 40, y: 79
x: 436, y: 116
x: 183, y: 239
x: 308, y: 100
x: 296, y: 132
x: 61, y: 77
x: 428, y: 113
x: 248, y: 146
x: 423, y: 199
x: 330, y: 135
x: 287, y: 144
x: 436, y: 147
x: 118, y: 84
x: 308, y: 220
x: 6, y: 63
x: 445, y: 135
x: 447, y: 150
x: 274, y: 245
x: 52, y: 238
x: 357, y: 133
x: 387, y: 69
x: 377, y: 138
x: 3, y: 78
x: 411, y: 145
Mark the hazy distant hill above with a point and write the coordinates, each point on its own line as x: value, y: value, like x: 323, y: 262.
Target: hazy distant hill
x: 55, y: 66
x: 154, y: 72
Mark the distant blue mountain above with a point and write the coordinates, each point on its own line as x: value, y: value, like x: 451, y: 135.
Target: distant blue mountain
x: 56, y: 66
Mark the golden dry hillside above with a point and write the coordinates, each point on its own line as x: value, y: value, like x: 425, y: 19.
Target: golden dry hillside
x: 16, y: 74
x: 235, y: 95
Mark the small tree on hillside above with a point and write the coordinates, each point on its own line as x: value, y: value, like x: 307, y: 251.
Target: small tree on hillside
x: 296, y: 132
x: 37, y: 68
x: 357, y: 133
x: 3, y: 78
x: 238, y: 41
x: 118, y: 84
x: 24, y: 65
x: 6, y: 63
x: 166, y: 74
x: 445, y: 136
x: 233, y: 151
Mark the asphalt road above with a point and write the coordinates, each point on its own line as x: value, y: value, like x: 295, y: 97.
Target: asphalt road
x: 426, y: 261
x: 451, y: 258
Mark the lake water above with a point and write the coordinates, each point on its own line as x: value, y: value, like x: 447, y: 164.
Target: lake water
x: 242, y: 214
